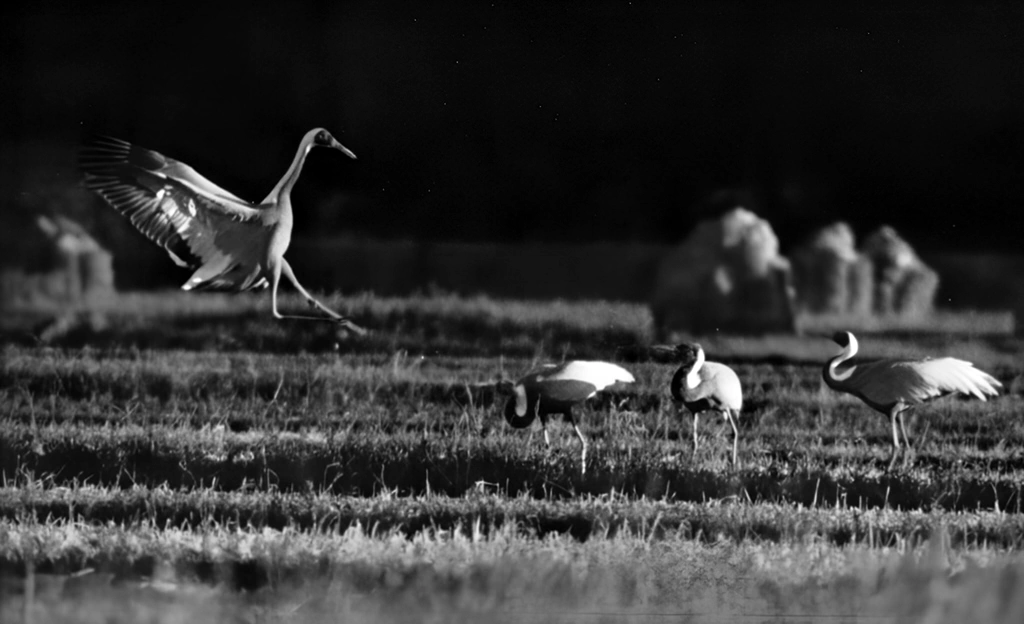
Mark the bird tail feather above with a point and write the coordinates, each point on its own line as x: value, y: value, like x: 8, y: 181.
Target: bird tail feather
x: 963, y: 377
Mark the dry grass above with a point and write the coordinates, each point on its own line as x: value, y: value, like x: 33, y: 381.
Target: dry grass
x: 207, y: 462
x: 367, y: 575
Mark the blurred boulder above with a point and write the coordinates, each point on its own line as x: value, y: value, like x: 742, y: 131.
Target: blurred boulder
x: 87, y: 267
x: 903, y: 283
x: 71, y: 323
x: 727, y: 275
x: 885, y: 277
x: 831, y: 277
x: 77, y: 269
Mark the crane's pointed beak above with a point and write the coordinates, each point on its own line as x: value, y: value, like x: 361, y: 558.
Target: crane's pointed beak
x: 341, y: 148
x: 504, y: 387
x: 663, y: 352
x: 820, y: 335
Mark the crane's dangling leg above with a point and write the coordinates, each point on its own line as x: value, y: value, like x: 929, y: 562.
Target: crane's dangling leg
x: 275, y: 279
x: 312, y: 301
x: 893, y: 414
x: 282, y: 266
x: 735, y: 433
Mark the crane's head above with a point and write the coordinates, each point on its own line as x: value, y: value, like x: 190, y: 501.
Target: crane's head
x: 847, y: 341
x: 843, y: 338
x: 323, y: 138
x: 504, y: 387
x: 517, y: 410
x: 686, y: 352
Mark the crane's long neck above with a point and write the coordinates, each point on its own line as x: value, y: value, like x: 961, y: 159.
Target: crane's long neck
x: 693, y: 377
x: 685, y: 380
x: 284, y: 187
x: 830, y: 374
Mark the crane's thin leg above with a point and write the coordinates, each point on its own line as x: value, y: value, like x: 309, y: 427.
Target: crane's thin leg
x: 903, y: 430
x: 895, y: 438
x: 735, y: 434
x: 583, y: 441
x: 275, y: 279
x: 908, y: 449
x: 310, y: 299
x: 544, y: 427
x: 696, y: 417
x: 284, y: 267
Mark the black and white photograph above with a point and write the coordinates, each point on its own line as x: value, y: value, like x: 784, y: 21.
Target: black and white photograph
x: 377, y: 311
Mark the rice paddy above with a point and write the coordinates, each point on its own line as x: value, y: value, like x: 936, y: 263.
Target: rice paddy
x: 189, y: 457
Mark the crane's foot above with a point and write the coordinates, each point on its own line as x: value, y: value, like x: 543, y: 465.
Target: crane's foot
x: 344, y: 323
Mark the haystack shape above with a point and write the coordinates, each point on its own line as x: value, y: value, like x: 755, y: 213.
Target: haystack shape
x: 903, y: 283
x: 83, y: 265
x: 71, y: 269
x: 727, y: 275
x: 831, y: 276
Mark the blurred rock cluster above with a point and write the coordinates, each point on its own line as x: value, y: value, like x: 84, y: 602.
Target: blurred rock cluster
x: 884, y: 277
x: 76, y: 273
x: 729, y: 275
x: 77, y: 269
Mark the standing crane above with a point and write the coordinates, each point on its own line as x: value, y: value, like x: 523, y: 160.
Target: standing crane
x: 705, y: 386
x: 555, y: 389
x: 232, y: 244
x: 893, y: 387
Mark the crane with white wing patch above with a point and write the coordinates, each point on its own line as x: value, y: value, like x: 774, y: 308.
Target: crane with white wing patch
x: 555, y: 389
x: 232, y: 244
x: 896, y: 386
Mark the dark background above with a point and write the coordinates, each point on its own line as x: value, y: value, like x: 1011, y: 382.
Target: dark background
x: 553, y: 121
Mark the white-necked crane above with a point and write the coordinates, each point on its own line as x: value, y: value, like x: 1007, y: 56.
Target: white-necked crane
x: 232, y: 244
x: 704, y: 386
x: 895, y: 386
x: 555, y: 389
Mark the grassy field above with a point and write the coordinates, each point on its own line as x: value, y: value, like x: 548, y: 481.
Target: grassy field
x: 184, y: 456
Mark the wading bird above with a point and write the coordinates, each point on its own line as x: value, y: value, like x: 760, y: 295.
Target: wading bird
x: 233, y: 244
x: 893, y: 387
x: 554, y: 389
x: 705, y: 386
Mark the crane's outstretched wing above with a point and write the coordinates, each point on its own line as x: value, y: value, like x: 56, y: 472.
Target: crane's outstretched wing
x: 193, y: 219
x: 914, y: 381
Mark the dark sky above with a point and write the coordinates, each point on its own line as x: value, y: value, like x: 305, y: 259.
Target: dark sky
x: 555, y: 121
